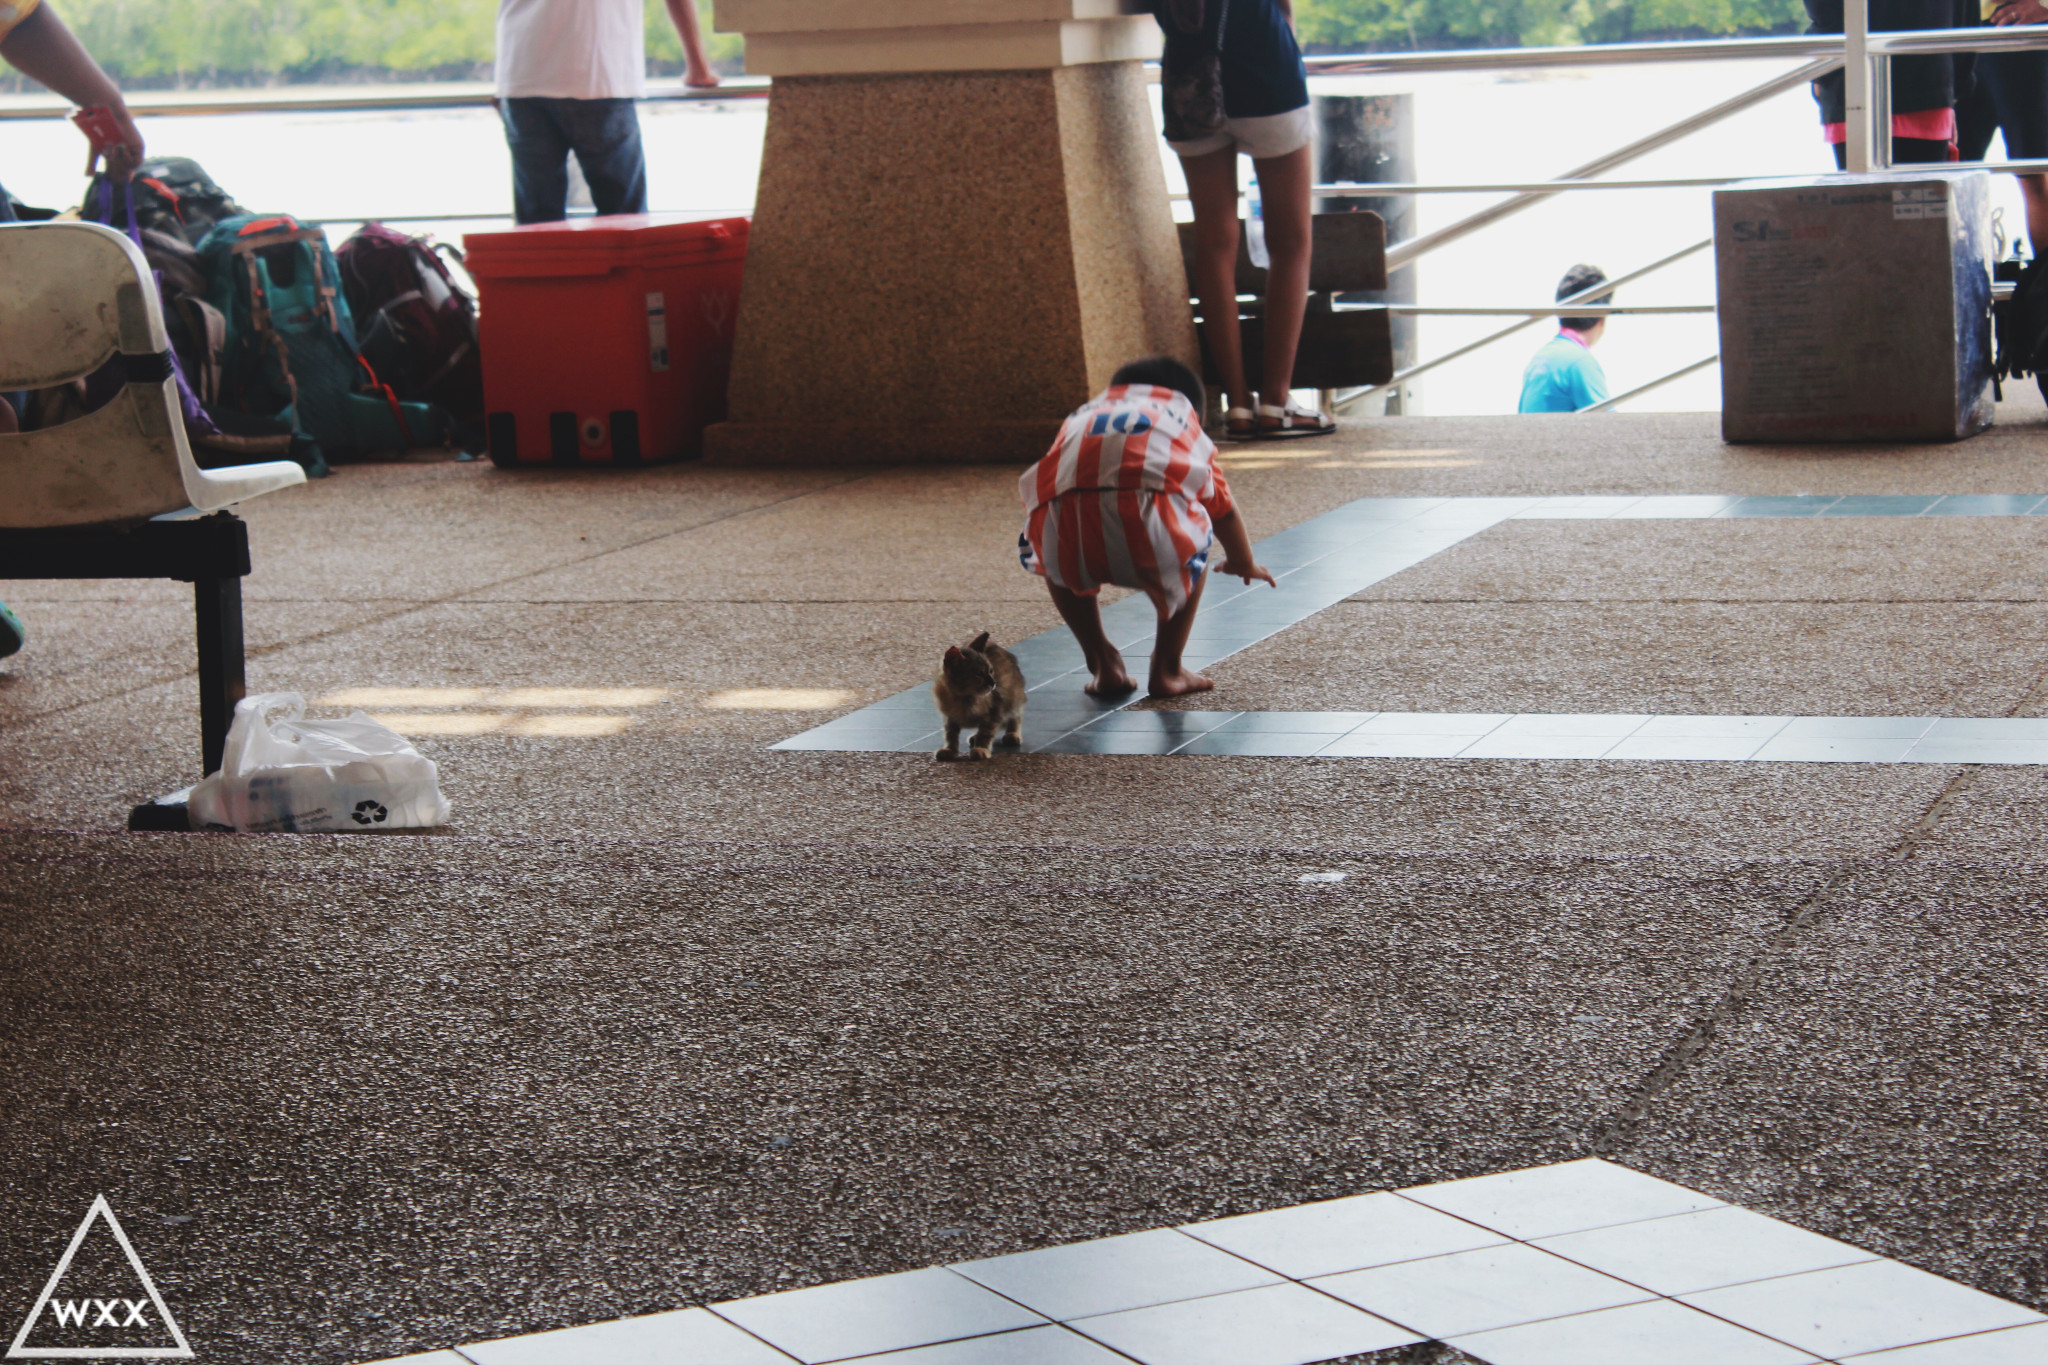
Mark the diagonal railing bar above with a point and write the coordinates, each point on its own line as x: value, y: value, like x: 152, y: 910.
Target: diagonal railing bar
x: 1357, y: 396
x: 1641, y: 389
x: 1408, y: 252
x: 1541, y: 310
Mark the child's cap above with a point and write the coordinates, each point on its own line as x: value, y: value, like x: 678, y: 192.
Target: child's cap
x: 1164, y: 372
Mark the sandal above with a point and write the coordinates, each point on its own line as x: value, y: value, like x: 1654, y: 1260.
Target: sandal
x: 1240, y: 425
x: 1291, y: 421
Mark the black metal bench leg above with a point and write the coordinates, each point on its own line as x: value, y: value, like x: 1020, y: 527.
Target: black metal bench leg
x: 222, y: 681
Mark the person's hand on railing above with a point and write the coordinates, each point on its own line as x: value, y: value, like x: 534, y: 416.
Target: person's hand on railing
x: 2021, y: 12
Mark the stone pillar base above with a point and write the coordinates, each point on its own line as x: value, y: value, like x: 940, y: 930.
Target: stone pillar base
x: 943, y: 265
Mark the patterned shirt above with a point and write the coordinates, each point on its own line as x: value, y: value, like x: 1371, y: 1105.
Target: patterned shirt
x: 1127, y: 495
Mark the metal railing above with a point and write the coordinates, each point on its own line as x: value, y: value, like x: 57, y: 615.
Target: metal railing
x: 1863, y: 56
x: 371, y: 99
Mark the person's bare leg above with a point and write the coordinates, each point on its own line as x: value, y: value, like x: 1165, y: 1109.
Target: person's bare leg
x: 1284, y: 183
x: 1170, y: 677
x: 1105, y: 661
x: 2034, y: 191
x: 1212, y: 188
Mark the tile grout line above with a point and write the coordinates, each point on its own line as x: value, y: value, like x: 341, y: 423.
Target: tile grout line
x: 1334, y: 517
x: 1407, y: 1195
x: 741, y: 1327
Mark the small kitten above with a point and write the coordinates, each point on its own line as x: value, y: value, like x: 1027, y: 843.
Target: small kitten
x: 980, y: 685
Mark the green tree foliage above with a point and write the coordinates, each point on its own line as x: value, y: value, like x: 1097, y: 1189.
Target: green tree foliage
x: 1360, y: 25
x: 199, y: 39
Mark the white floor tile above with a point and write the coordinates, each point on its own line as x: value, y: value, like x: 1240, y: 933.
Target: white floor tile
x: 1357, y: 745
x: 1684, y: 749
x: 867, y: 1317
x: 426, y: 1358
x: 1574, y: 508
x: 1500, y: 745
x: 1683, y: 506
x: 1283, y: 1324
x: 1432, y: 723
x: 1696, y: 1251
x: 1475, y: 1291
x: 1656, y: 1333
x: 1342, y: 1234
x: 1032, y: 1346
x: 1862, y: 1308
x: 1790, y: 748
x: 1989, y: 727
x: 1587, y: 724
x: 689, y: 1337
x: 1936, y: 750
x: 1115, y: 1273
x: 1759, y: 728
x: 2014, y: 1346
x: 1857, y: 727
x: 1573, y: 1196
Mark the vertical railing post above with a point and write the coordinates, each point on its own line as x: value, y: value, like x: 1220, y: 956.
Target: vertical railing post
x: 1856, y: 110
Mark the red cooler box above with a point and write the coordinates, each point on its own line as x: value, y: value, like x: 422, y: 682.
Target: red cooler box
x: 605, y: 340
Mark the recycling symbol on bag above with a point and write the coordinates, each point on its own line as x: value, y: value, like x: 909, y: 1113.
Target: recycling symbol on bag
x: 370, y: 813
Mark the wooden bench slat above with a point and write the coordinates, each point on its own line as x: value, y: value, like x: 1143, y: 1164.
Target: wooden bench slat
x: 1350, y: 253
x: 1339, y: 350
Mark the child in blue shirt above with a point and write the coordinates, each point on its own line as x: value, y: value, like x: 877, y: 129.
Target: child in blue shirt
x: 1563, y: 376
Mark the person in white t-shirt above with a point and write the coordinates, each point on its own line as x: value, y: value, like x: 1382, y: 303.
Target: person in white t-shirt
x: 569, y: 72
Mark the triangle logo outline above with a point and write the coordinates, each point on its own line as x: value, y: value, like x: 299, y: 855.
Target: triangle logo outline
x: 100, y: 1209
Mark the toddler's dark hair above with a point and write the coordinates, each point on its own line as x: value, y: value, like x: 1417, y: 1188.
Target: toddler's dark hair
x: 1164, y: 372
x: 1578, y: 280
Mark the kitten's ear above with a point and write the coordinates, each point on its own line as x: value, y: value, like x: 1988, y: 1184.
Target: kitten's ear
x: 953, y: 654
x: 980, y: 641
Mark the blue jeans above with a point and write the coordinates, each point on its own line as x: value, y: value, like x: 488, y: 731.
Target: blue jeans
x: 604, y: 135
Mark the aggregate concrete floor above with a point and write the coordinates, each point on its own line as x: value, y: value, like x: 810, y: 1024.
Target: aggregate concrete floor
x: 663, y: 1018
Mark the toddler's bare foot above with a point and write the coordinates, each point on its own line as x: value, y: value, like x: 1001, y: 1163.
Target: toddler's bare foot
x: 1178, y: 683
x: 1111, y: 682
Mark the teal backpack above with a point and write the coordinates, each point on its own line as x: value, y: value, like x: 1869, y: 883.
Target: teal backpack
x: 290, y: 351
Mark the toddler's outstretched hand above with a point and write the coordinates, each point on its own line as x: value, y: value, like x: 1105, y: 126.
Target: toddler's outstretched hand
x: 1248, y: 572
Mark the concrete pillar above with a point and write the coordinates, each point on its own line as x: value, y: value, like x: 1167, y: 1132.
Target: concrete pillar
x: 962, y: 228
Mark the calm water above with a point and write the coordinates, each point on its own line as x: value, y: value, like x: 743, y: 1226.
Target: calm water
x: 703, y: 159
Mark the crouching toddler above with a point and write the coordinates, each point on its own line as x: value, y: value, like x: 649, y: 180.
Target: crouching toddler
x: 1130, y: 494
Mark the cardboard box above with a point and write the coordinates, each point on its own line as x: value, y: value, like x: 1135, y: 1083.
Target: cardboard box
x: 1855, y: 308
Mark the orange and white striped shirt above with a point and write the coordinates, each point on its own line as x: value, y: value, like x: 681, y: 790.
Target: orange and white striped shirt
x: 1127, y: 495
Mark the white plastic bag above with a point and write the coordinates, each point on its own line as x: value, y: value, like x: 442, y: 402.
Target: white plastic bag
x: 282, y: 773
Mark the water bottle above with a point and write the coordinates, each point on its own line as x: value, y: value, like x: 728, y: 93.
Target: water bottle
x: 1255, y: 226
